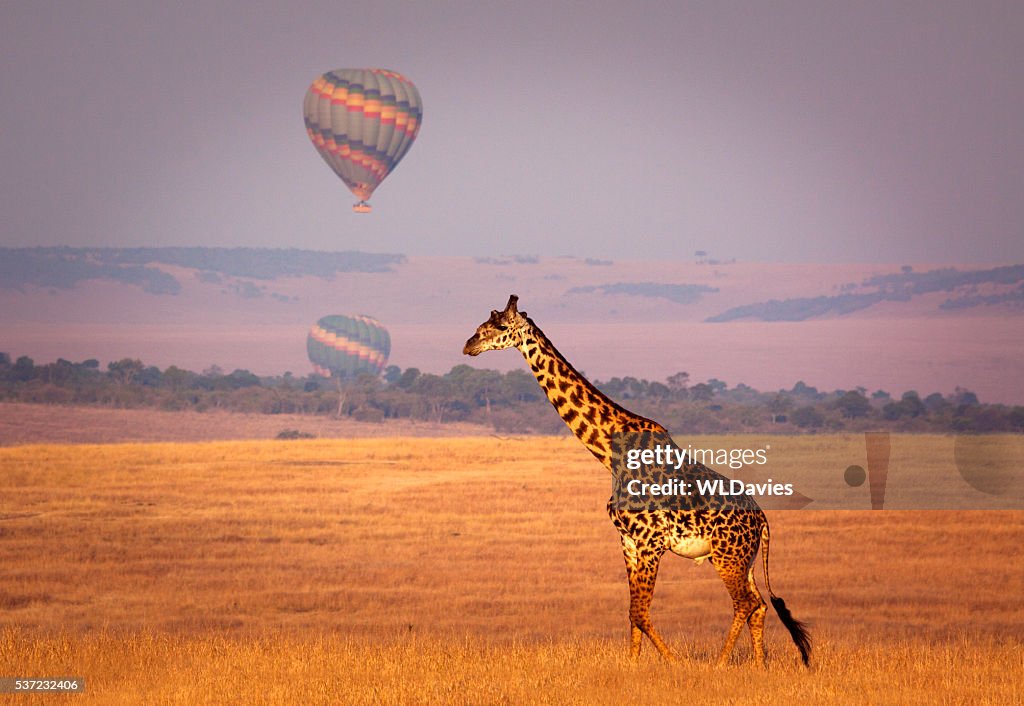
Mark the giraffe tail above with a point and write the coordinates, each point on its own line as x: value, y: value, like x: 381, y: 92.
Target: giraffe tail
x: 797, y: 630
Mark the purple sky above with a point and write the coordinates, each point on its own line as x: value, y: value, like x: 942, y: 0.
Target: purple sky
x: 781, y: 131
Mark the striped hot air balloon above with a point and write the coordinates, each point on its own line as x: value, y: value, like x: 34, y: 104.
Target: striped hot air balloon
x: 345, y: 347
x: 362, y: 122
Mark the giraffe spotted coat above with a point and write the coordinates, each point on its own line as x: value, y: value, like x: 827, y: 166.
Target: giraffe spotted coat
x: 726, y: 530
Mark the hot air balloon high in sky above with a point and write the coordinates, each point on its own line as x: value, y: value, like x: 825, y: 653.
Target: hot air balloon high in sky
x: 345, y: 347
x: 362, y: 122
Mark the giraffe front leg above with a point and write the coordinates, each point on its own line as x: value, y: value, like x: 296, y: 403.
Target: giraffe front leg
x: 642, y: 571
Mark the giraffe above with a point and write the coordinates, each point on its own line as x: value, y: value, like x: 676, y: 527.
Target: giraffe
x: 725, y: 530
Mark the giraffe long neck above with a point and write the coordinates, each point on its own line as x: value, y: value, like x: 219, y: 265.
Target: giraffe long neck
x: 591, y: 416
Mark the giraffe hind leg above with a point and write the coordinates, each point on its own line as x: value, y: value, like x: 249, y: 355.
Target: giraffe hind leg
x: 755, y: 621
x: 748, y: 609
x: 636, y: 639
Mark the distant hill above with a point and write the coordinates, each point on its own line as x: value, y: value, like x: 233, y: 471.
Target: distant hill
x: 1006, y: 283
x: 65, y: 268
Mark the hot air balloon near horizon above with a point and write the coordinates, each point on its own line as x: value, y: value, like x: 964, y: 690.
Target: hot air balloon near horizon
x: 362, y: 122
x: 345, y: 347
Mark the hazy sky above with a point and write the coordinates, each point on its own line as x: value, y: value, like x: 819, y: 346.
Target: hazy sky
x: 780, y: 131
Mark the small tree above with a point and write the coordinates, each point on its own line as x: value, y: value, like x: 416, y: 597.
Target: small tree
x: 935, y: 403
x: 807, y: 417
x: 520, y: 386
x: 24, y: 369
x: 124, y: 371
x: 677, y: 382
x: 437, y: 393
x: 802, y: 389
x: 911, y: 405
x: 853, y: 405
x: 392, y: 374
x: 963, y: 396
x: 702, y: 392
x: 408, y: 377
x: 1016, y: 417
x: 175, y: 378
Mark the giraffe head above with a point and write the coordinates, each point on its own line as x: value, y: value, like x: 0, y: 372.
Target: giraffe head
x: 504, y: 329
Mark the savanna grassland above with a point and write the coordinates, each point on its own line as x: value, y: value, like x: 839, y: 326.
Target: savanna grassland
x: 470, y: 570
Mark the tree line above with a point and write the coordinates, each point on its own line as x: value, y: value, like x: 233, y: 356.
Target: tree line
x: 509, y: 402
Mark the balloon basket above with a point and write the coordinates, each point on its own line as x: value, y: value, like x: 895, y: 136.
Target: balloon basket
x: 362, y: 207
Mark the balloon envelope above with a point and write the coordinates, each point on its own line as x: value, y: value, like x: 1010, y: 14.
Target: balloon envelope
x: 362, y: 122
x: 348, y: 346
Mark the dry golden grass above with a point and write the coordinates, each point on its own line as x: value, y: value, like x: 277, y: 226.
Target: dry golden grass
x: 332, y: 669
x: 22, y: 423
x: 469, y: 571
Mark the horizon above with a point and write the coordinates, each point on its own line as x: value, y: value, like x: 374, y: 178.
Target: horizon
x: 214, y: 371
x: 893, y: 327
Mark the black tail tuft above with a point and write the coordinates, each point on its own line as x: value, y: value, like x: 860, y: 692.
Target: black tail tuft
x: 798, y: 630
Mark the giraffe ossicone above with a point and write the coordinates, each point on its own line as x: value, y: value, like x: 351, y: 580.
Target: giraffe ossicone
x: 726, y: 530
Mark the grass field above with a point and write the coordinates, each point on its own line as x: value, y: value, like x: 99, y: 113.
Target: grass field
x: 43, y: 424
x: 466, y: 570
